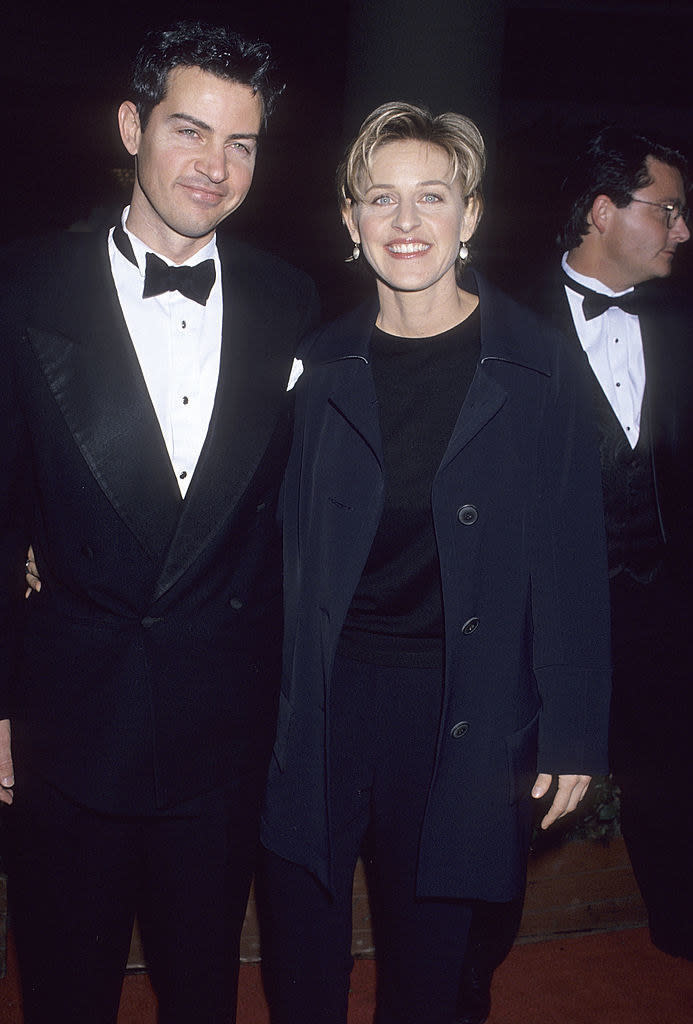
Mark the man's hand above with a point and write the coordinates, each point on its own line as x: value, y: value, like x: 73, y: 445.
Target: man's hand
x: 571, y: 789
x: 32, y: 576
x: 6, y: 769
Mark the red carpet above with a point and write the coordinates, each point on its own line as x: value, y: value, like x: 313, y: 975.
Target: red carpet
x: 603, y: 978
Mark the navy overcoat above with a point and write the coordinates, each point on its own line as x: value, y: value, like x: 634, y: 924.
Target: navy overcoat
x: 518, y: 519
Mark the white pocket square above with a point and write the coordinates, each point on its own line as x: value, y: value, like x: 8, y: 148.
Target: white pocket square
x: 296, y: 371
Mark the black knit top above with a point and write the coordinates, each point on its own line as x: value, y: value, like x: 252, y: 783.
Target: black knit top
x: 396, y: 615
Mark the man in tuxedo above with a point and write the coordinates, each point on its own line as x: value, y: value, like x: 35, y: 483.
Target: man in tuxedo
x: 627, y: 215
x: 146, y: 423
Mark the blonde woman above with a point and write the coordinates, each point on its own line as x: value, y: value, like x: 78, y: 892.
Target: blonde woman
x: 446, y: 616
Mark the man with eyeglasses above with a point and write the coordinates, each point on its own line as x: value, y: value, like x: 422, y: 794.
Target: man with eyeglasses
x: 628, y: 214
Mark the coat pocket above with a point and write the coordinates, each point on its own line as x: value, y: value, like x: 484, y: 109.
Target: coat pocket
x: 521, y: 752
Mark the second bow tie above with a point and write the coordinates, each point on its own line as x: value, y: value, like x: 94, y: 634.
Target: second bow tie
x: 193, y: 282
x: 594, y: 304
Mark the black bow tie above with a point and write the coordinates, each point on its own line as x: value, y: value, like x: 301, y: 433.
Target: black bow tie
x: 595, y: 303
x: 193, y: 282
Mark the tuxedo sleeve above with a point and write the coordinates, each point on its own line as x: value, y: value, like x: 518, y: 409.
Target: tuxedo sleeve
x: 16, y: 498
x: 311, y: 316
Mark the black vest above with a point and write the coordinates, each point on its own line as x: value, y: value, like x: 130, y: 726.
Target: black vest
x: 634, y: 537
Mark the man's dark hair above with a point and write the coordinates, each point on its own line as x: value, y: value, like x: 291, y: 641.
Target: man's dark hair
x: 615, y: 165
x: 212, y: 48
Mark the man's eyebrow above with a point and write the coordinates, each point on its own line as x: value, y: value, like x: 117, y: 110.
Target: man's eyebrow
x: 193, y: 120
x: 203, y: 126
x: 670, y: 201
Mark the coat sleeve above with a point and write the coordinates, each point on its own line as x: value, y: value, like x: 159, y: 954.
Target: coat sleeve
x: 570, y: 598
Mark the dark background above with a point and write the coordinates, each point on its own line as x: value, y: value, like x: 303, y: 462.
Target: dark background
x: 534, y: 75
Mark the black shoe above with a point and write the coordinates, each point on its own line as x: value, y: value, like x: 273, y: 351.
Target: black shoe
x: 673, y: 943
x: 474, y: 997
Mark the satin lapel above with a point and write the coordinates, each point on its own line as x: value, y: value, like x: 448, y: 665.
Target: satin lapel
x: 250, y: 399
x: 563, y: 318
x: 93, y: 373
x: 556, y: 311
x: 667, y: 390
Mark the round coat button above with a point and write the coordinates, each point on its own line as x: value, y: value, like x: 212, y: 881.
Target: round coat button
x: 467, y: 515
x: 459, y: 730
x: 470, y: 626
x: 235, y: 603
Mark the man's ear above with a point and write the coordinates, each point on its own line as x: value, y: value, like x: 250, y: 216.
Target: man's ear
x: 129, y: 125
x: 600, y: 214
x: 349, y: 221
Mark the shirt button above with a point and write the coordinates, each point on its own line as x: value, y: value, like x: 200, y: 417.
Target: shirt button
x: 183, y: 325
x: 183, y: 474
x: 185, y: 399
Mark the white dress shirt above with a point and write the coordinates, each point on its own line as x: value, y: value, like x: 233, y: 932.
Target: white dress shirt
x: 178, y: 345
x: 613, y: 344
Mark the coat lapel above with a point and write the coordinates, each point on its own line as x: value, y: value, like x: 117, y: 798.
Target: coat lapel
x: 483, y: 400
x: 505, y: 338
x: 346, y: 343
x: 92, y: 370
x: 356, y: 400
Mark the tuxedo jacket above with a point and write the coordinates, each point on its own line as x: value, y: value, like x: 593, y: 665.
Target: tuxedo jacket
x: 146, y: 671
x: 666, y: 325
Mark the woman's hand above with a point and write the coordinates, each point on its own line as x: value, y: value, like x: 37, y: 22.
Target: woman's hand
x: 571, y: 789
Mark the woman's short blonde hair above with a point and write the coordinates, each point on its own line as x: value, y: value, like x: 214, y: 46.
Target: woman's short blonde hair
x: 456, y: 134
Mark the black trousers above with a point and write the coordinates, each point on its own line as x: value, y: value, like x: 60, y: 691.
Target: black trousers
x: 383, y: 725
x: 651, y: 754
x: 651, y: 747
x: 77, y: 878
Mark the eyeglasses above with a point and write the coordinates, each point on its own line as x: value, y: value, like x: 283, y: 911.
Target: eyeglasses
x: 672, y: 210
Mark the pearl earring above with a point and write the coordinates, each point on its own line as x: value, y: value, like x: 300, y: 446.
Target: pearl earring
x: 356, y: 252
x: 464, y: 251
